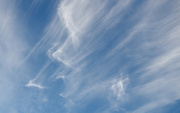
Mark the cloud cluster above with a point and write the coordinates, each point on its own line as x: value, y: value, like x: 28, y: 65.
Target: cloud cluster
x: 78, y: 36
x: 94, y: 41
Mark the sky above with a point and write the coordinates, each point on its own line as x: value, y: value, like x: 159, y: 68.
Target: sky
x: 89, y: 56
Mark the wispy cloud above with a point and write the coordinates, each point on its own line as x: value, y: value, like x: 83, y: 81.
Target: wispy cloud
x: 162, y: 64
x: 118, y: 87
x: 79, y: 18
x: 60, y: 77
x: 157, y: 55
x: 106, y: 54
x: 84, y: 22
x: 32, y: 84
x: 146, y: 47
x: 12, y: 50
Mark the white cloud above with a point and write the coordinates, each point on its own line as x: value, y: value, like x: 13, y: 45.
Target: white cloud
x: 118, y: 87
x: 79, y: 20
x: 60, y: 77
x: 13, y: 47
x: 62, y: 95
x: 152, y: 41
x: 32, y: 84
x: 158, y: 52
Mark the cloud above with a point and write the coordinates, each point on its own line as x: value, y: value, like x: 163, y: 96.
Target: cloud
x: 156, y: 56
x: 12, y: 50
x: 160, y: 92
x: 118, y: 87
x: 77, y: 35
x: 60, y: 77
x: 79, y: 18
x: 32, y: 84
x: 94, y: 41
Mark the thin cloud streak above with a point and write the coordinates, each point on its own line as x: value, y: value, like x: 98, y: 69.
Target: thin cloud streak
x: 32, y: 83
x: 159, y: 56
x: 12, y: 50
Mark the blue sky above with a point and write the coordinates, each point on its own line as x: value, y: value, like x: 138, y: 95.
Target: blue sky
x: 89, y: 56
